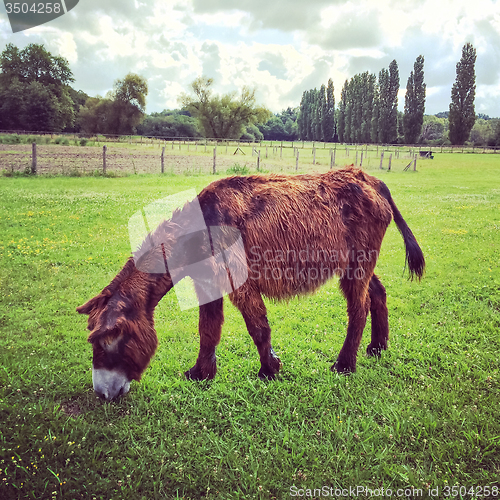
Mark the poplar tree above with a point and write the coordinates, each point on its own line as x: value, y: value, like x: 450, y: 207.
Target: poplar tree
x: 462, y: 114
x: 342, y: 113
x: 388, y: 104
x: 329, y: 114
x: 414, y: 103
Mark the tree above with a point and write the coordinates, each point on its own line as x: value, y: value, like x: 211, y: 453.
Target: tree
x: 129, y: 103
x: 462, y: 114
x: 342, y: 113
x: 95, y: 116
x: 169, y: 123
x: 281, y: 126
x: 320, y: 113
x: 329, y: 114
x: 434, y: 129
x: 414, y: 103
x: 34, y: 89
x: 223, y: 116
x: 33, y: 63
x: 120, y: 112
x: 388, y: 104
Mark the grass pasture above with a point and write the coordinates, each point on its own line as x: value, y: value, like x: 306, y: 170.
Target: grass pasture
x: 423, y: 421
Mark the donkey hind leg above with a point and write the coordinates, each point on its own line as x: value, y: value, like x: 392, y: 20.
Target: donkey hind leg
x: 254, y: 313
x: 210, y: 326
x: 380, y: 317
x: 358, y: 305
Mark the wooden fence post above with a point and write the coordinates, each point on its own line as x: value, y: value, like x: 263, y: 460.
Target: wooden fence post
x: 162, y: 160
x: 415, y: 164
x: 258, y: 161
x: 215, y: 159
x: 390, y: 160
x: 297, y: 161
x: 314, y: 155
x: 361, y: 162
x: 381, y: 159
x: 33, y: 158
x: 104, y: 148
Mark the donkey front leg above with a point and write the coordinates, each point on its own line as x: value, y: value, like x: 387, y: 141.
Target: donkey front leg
x: 210, y: 326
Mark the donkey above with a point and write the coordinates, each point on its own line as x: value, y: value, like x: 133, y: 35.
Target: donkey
x: 296, y: 232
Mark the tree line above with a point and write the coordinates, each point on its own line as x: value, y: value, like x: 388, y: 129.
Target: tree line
x: 36, y: 94
x: 368, y: 109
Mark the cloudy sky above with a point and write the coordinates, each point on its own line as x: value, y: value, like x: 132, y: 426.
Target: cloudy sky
x: 281, y: 47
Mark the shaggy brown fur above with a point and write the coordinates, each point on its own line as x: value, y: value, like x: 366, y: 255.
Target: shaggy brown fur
x: 297, y: 231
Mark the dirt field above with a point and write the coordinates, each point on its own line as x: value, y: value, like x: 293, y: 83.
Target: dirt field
x: 57, y: 159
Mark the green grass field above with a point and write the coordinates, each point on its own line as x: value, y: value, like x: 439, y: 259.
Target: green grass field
x: 425, y: 418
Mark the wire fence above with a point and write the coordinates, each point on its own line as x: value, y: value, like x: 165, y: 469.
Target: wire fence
x: 72, y: 154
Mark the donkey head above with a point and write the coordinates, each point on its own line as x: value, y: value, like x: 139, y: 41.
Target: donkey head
x: 122, y: 335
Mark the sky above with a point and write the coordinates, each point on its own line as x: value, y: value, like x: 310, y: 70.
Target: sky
x: 281, y: 48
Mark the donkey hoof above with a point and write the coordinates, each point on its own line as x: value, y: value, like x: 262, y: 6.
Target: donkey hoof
x: 343, y: 368
x: 267, y: 374
x: 196, y: 374
x: 374, y: 350
x: 193, y: 374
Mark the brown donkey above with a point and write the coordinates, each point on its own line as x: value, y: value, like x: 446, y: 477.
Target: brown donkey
x: 296, y: 232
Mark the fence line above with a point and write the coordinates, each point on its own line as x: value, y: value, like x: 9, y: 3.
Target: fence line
x: 210, y: 141
x: 54, y: 158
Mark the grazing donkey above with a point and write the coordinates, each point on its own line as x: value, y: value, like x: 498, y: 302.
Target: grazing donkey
x: 296, y: 233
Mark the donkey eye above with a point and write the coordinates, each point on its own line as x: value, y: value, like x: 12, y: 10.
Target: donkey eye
x: 110, y: 344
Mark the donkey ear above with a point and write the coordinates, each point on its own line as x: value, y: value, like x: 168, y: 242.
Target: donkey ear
x: 87, y: 308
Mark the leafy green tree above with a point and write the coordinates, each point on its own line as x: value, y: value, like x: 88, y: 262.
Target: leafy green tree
x: 12, y: 106
x: 434, y: 130
x: 341, y: 119
x: 388, y: 104
x: 320, y: 113
x: 309, y: 115
x: 301, y: 119
x: 368, y: 83
x: 375, y: 116
x: 281, y: 126
x: 96, y: 116
x: 170, y: 123
x: 120, y: 112
x: 43, y: 81
x: 329, y: 114
x: 78, y: 98
x: 34, y: 63
x: 414, y: 103
x: 223, y: 116
x: 129, y: 103
x: 483, y: 132
x: 462, y: 114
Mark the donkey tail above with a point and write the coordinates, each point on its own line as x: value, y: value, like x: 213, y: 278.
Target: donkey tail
x: 414, y: 256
